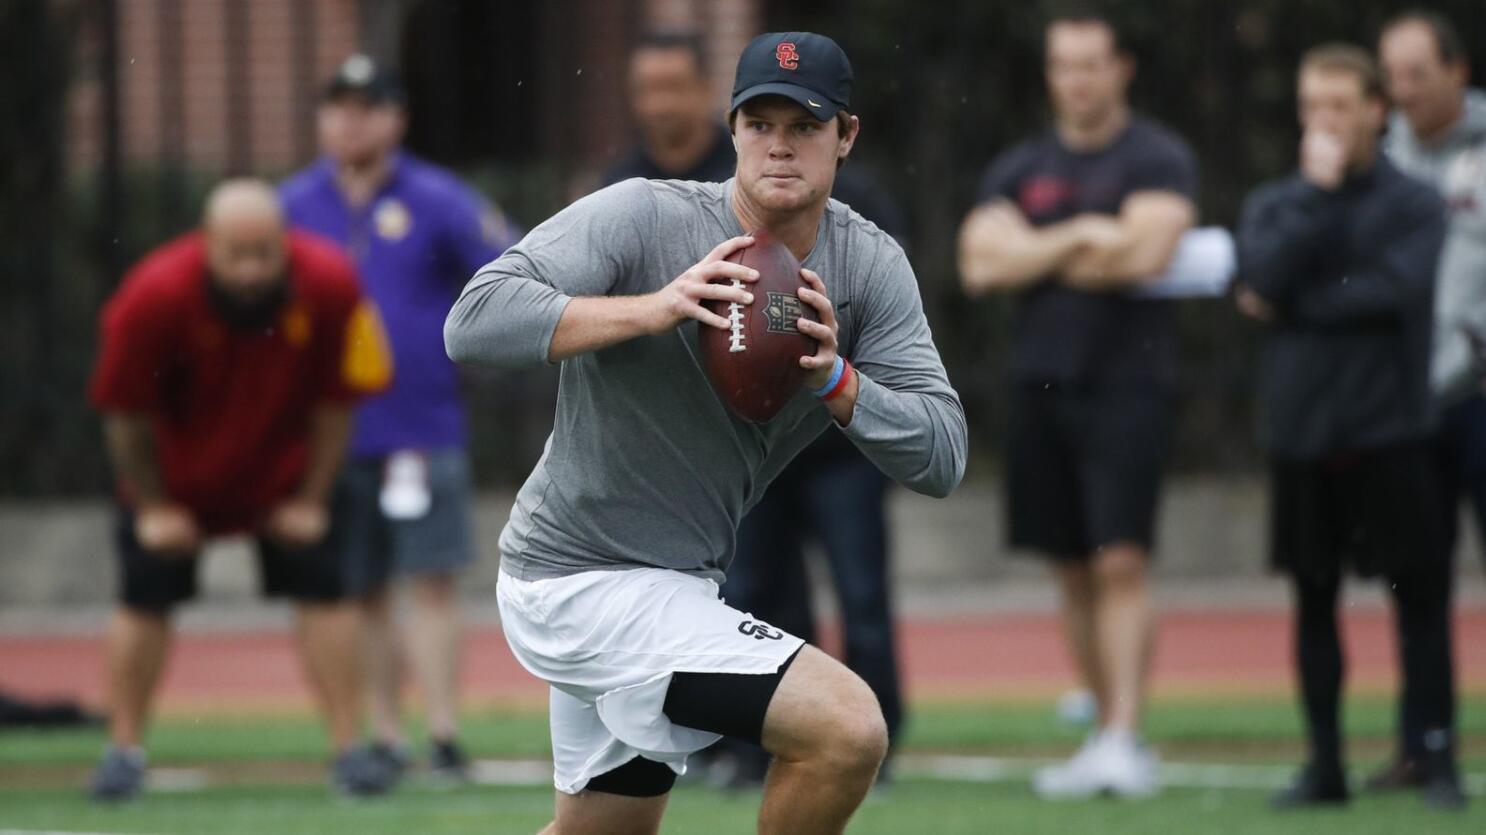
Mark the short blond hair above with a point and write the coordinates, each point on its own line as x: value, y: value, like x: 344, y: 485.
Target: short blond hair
x: 1346, y: 58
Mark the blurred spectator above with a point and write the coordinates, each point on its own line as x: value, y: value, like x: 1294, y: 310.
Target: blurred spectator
x: 1071, y: 221
x: 417, y: 235
x: 229, y: 360
x: 833, y: 495
x: 1339, y: 259
x: 1438, y: 133
x: 671, y: 96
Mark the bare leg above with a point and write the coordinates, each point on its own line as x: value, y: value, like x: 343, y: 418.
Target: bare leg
x: 1076, y: 581
x: 137, y: 645
x: 433, y: 649
x: 601, y: 813
x: 828, y: 737
x: 330, y: 648
x: 383, y: 667
x: 1123, y: 628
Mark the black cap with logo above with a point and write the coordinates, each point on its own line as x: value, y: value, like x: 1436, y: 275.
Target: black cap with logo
x: 805, y: 67
x: 359, y: 75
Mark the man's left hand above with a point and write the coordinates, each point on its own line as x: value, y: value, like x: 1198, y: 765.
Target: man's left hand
x: 823, y: 332
x: 298, y: 523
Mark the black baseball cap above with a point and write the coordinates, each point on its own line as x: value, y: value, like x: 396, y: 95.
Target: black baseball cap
x: 805, y: 67
x: 359, y: 75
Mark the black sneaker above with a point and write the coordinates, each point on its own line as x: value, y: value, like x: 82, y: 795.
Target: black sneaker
x: 1442, y: 784
x: 448, y: 762
x: 119, y: 775
x: 1314, y: 786
x: 359, y: 772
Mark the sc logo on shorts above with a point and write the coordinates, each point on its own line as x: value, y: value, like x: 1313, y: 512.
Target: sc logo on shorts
x: 760, y: 631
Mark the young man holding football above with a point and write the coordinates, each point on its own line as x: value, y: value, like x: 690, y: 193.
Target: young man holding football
x: 617, y: 542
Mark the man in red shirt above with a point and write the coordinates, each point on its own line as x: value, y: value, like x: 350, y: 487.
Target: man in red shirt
x: 229, y: 361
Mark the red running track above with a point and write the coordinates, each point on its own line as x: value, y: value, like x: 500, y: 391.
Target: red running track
x: 1021, y: 655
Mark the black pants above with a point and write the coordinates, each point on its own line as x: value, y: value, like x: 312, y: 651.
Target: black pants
x: 1427, y: 700
x: 1377, y: 512
x: 1460, y: 456
x: 840, y: 501
x: 837, y: 497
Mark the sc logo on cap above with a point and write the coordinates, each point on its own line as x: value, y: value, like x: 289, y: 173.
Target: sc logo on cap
x: 789, y: 59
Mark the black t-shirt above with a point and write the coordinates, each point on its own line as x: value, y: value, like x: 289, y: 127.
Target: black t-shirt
x: 1082, y: 338
x: 714, y: 167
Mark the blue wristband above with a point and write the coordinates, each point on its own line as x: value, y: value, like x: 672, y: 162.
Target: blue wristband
x: 836, y: 371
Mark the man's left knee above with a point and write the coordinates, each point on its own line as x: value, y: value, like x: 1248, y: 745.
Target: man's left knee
x: 855, y: 735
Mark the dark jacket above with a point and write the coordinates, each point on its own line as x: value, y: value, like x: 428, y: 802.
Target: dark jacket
x: 1350, y: 275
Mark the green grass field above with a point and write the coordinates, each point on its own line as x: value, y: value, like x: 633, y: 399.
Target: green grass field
x: 265, y: 775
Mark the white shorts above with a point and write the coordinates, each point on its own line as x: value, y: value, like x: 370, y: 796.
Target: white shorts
x: 608, y: 642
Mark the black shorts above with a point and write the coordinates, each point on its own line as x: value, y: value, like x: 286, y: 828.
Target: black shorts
x: 730, y: 704
x: 153, y: 583
x: 1377, y: 512
x: 1084, y: 467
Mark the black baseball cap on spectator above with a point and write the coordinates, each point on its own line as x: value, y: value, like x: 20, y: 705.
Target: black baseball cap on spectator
x: 805, y: 67
x: 359, y: 75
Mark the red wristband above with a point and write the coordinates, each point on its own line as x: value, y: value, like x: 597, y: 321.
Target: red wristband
x: 841, y: 383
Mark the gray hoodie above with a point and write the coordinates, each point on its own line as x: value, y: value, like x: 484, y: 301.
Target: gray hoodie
x: 1456, y: 165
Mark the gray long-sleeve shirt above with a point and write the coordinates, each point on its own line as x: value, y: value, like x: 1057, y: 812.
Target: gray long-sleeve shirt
x: 1455, y: 164
x: 646, y: 466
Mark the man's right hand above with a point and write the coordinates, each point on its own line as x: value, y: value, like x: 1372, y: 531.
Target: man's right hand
x: 167, y: 530
x: 1323, y: 159
x: 682, y: 298
x: 1253, y: 305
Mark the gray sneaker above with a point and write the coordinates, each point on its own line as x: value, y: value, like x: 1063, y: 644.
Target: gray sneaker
x: 394, y: 758
x: 359, y: 771
x: 119, y: 775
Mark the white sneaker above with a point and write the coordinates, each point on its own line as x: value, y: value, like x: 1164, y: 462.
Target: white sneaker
x: 1127, y: 768
x: 1070, y: 778
x: 1110, y: 763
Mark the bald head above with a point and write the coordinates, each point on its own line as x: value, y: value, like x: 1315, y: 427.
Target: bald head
x: 245, y: 242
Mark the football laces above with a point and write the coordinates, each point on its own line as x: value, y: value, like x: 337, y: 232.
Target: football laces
x: 736, y: 336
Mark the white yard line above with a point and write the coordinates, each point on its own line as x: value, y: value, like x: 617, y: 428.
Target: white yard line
x: 511, y: 772
x: 177, y: 780
x: 51, y: 832
x: 1173, y: 774
x: 961, y: 768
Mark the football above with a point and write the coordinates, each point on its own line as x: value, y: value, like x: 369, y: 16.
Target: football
x: 755, y: 363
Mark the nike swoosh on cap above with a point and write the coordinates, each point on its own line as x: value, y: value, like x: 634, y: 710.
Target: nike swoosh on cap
x: 812, y: 103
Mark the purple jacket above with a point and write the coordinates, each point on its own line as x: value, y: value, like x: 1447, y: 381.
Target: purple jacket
x: 415, y: 245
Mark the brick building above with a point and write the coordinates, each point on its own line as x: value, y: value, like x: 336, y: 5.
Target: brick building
x: 230, y: 85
